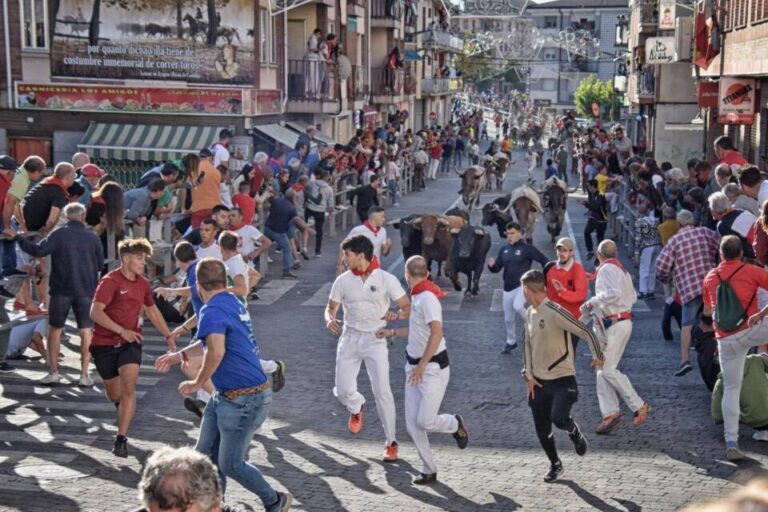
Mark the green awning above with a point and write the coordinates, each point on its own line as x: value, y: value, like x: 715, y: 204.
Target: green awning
x: 145, y: 142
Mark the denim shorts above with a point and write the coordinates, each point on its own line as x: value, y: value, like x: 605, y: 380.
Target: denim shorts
x: 59, y: 306
x: 690, y: 310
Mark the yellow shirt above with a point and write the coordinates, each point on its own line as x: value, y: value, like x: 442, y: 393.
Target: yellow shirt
x: 667, y: 230
x: 602, y: 183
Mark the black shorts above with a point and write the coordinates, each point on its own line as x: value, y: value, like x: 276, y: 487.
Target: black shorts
x: 109, y: 359
x: 59, y: 306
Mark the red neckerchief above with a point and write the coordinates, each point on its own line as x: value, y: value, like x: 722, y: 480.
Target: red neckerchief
x: 298, y: 187
x: 375, y: 231
x: 613, y: 261
x: 236, y: 227
x: 53, y: 180
x: 428, y: 286
x: 373, y: 265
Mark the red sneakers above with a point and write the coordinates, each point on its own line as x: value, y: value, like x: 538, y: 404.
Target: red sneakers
x: 355, y: 423
x: 391, y: 452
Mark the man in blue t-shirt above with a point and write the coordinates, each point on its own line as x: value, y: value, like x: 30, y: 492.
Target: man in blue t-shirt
x: 242, y: 397
x: 550, y: 171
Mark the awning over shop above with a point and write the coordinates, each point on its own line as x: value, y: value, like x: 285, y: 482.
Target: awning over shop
x: 279, y: 134
x: 145, y: 142
x: 302, y: 128
x: 412, y: 55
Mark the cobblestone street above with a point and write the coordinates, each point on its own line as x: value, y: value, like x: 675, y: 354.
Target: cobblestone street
x: 55, y: 442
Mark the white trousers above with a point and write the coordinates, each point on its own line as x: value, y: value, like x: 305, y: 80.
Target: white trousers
x: 354, y: 348
x: 648, y: 257
x: 268, y: 366
x: 433, y: 166
x: 421, y: 405
x: 733, y: 353
x: 611, y: 383
x: 513, y: 304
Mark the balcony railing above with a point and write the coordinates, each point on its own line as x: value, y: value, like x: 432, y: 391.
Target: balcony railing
x: 357, y: 83
x: 312, y: 80
x: 387, y: 82
x: 440, y: 85
x: 646, y: 12
x: 582, y: 66
x: 390, y: 9
x: 645, y: 83
x: 443, y: 39
x: 409, y: 83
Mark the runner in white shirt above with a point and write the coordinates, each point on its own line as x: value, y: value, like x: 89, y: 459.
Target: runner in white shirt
x: 427, y: 369
x: 374, y: 230
x: 220, y: 152
x: 250, y: 241
x: 209, y: 247
x: 365, y: 291
x: 241, y: 278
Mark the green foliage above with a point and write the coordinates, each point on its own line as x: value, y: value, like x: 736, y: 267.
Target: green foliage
x: 591, y: 90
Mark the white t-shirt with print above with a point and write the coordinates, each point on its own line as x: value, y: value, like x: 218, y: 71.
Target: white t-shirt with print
x: 236, y: 266
x: 248, y: 237
x: 377, y: 239
x: 366, y: 302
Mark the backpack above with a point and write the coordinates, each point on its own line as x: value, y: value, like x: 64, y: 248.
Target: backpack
x: 729, y: 313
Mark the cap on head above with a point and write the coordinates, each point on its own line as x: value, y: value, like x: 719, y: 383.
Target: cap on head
x: 205, y: 153
x: 7, y: 163
x: 92, y: 171
x: 565, y: 243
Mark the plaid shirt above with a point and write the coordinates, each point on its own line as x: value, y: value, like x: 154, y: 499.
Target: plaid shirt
x: 692, y: 252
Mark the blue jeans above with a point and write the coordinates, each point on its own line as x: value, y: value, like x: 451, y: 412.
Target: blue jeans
x: 225, y: 435
x: 445, y: 165
x: 392, y: 184
x: 8, y: 251
x: 281, y: 239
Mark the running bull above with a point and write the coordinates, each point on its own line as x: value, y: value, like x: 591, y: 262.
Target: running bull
x: 470, y: 248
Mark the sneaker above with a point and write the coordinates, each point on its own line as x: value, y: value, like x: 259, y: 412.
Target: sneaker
x: 590, y: 254
x: 120, y: 448
x: 296, y: 265
x: 318, y: 255
x: 462, y: 434
x: 391, y: 452
x: 609, y: 424
x: 290, y: 275
x: 508, y: 348
x: 579, y: 443
x: 426, y: 479
x: 395, y: 204
x: 555, y: 471
x: 305, y: 255
x: 650, y: 296
x: 51, y: 378
x: 5, y: 367
x: 684, y: 368
x: 194, y: 406
x: 85, y: 381
x: 254, y: 296
x: 6, y: 294
x: 733, y: 452
x: 761, y: 435
x: 270, y: 260
x: 355, y: 423
x: 641, y: 414
x: 283, y: 504
x: 278, y: 378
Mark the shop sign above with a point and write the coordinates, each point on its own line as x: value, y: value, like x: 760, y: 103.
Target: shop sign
x: 542, y: 103
x: 736, y: 101
x: 267, y: 101
x: 667, y: 9
x: 132, y: 100
x: 157, y: 40
x: 659, y: 50
x: 708, y: 94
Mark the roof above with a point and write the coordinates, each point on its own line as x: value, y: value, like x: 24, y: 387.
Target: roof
x: 576, y: 4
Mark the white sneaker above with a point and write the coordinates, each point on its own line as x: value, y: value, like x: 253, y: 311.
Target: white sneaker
x: 51, y: 378
x: 761, y: 435
x: 86, y: 381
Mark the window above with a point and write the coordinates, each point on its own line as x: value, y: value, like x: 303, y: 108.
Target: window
x: 759, y: 11
x: 34, y: 23
x: 267, y: 34
x: 550, y: 53
x: 548, y: 84
x: 550, y: 21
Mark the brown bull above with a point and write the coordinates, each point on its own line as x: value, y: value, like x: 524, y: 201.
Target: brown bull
x: 473, y: 181
x: 525, y: 212
x: 436, y: 240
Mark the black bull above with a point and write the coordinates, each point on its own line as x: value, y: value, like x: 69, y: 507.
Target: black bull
x: 470, y: 248
x: 555, y: 202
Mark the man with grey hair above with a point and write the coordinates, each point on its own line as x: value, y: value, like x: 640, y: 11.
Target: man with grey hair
x: 76, y: 260
x: 686, y: 259
x: 731, y: 221
x: 612, y: 303
x: 739, y: 200
x: 180, y: 479
x: 723, y: 175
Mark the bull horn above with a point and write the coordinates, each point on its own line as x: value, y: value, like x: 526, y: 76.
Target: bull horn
x: 443, y: 221
x: 393, y: 221
x: 574, y: 189
x: 416, y: 220
x: 455, y: 231
x: 505, y: 210
x: 480, y: 232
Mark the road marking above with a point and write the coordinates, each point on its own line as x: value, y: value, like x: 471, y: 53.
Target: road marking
x: 272, y: 291
x: 569, y: 228
x: 320, y: 297
x: 641, y: 307
x: 497, y: 300
x: 452, y: 302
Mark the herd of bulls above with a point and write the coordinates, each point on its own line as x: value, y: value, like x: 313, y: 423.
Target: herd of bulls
x: 462, y: 247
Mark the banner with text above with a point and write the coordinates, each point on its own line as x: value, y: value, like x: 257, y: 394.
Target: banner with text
x: 737, y: 101
x: 667, y: 13
x: 195, y: 41
x: 132, y: 100
x: 659, y: 50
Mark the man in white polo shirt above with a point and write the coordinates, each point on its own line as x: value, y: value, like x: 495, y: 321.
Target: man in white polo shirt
x: 366, y: 292
x: 426, y: 369
x: 374, y: 230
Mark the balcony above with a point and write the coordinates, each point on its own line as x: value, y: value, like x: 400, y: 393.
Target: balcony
x: 357, y: 84
x: 409, y: 83
x: 580, y: 66
x: 387, y: 85
x: 645, y: 15
x: 385, y: 13
x: 439, y: 86
x: 641, y: 87
x: 442, y: 40
x: 356, y: 8
x: 313, y: 87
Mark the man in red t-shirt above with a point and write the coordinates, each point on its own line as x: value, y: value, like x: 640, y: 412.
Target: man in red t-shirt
x: 745, y: 279
x: 120, y: 299
x: 566, y: 279
x: 726, y: 152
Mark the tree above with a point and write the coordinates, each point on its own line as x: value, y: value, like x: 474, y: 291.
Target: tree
x: 473, y: 67
x: 592, y: 90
